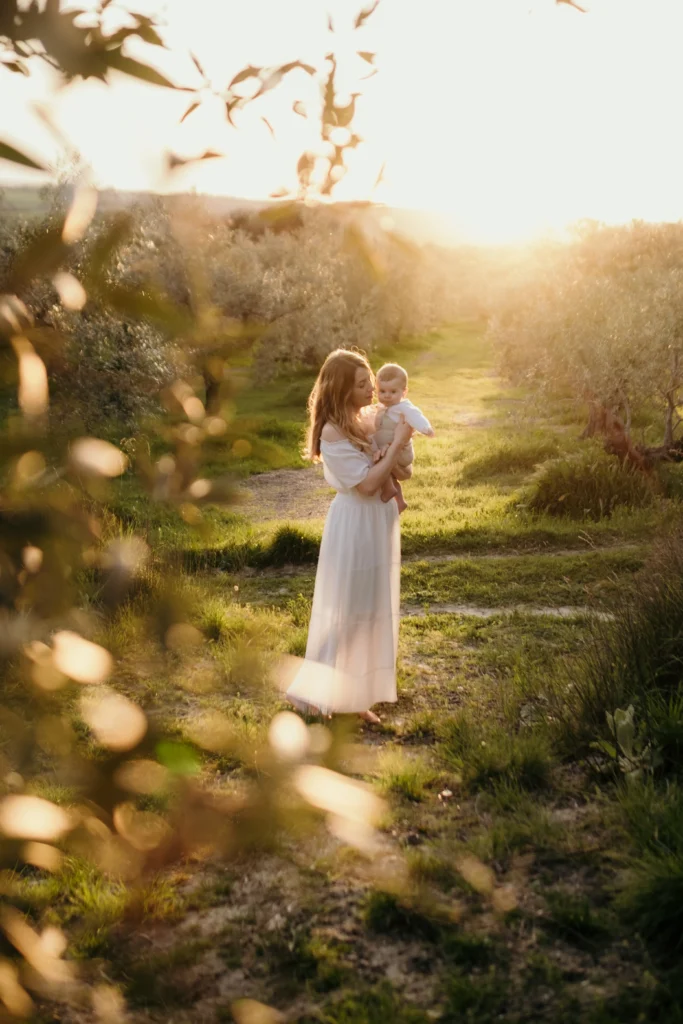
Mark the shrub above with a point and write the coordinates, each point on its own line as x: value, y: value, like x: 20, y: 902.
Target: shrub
x: 111, y: 371
x: 590, y: 484
x: 291, y: 546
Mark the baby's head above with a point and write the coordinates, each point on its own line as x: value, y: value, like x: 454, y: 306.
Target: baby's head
x: 392, y: 384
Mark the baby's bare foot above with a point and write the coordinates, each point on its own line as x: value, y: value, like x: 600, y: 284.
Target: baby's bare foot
x: 402, y: 503
x: 388, y: 492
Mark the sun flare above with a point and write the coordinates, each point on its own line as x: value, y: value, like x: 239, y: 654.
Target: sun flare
x: 508, y: 118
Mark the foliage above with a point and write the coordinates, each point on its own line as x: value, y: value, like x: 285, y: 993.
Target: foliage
x: 631, y: 753
x: 75, y: 43
x: 299, y: 287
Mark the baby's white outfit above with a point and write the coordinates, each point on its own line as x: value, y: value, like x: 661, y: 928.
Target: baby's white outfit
x: 387, y: 420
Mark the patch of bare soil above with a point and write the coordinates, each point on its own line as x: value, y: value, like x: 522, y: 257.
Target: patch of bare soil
x: 287, y: 494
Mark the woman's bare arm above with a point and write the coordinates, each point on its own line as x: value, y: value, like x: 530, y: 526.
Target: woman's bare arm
x: 382, y: 470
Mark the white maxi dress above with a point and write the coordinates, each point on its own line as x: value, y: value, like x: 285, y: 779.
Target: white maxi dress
x: 350, y: 659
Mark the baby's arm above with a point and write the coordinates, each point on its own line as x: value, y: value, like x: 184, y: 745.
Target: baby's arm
x: 416, y: 419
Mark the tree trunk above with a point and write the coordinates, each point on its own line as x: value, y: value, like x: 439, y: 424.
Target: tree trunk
x: 213, y: 392
x: 672, y: 402
x: 598, y: 417
x: 618, y: 442
x: 591, y: 428
x: 669, y: 424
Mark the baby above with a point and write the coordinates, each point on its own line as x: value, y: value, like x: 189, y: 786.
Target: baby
x: 392, y: 388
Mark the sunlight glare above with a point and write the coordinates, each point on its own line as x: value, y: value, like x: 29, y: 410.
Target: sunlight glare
x: 512, y: 118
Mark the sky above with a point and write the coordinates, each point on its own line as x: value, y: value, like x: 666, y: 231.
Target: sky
x: 506, y: 117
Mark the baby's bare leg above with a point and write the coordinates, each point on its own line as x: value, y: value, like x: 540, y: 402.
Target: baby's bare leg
x: 404, y: 470
x: 400, y: 500
x: 388, y: 489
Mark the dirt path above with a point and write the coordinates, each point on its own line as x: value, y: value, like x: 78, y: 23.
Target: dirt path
x: 477, y: 612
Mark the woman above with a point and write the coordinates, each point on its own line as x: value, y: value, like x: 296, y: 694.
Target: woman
x: 355, y: 614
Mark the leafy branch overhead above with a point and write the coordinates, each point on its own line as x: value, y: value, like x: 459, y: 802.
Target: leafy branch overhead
x: 73, y: 41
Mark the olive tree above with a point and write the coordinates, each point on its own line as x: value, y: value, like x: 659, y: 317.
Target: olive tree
x: 599, y: 321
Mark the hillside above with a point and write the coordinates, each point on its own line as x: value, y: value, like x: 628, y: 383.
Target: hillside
x: 422, y: 226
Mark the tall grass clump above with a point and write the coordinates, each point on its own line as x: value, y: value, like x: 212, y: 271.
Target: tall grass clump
x: 489, y: 757
x: 404, y: 774
x: 637, y: 659
x: 588, y: 485
x: 651, y: 899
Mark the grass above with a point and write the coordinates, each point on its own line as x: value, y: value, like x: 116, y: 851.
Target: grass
x: 487, y: 757
x: 529, y: 828
x: 90, y: 904
x: 159, y: 981
x: 591, y: 578
x: 653, y: 901
x: 478, y: 1000
x: 595, y: 578
x: 404, y: 774
x: 387, y: 914
x: 372, y: 1006
x: 297, y: 958
x: 508, y: 457
x: 575, y: 919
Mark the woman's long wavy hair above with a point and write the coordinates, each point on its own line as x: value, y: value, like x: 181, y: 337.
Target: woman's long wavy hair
x: 329, y: 401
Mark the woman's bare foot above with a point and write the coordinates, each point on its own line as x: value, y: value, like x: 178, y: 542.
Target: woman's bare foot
x: 371, y: 717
